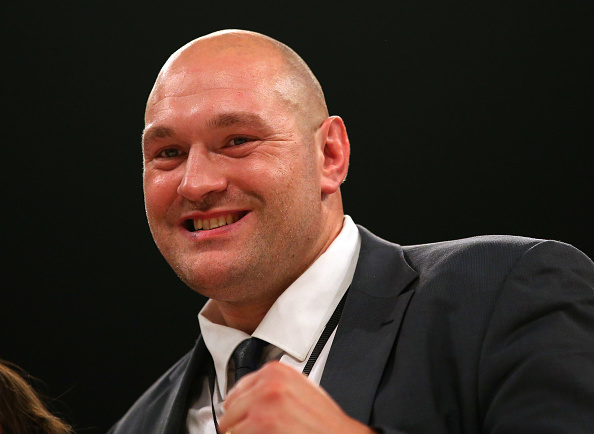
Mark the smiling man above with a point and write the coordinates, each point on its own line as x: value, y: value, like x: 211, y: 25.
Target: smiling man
x: 242, y: 169
x: 352, y: 334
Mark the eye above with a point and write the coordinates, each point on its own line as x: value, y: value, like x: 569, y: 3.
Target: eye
x: 238, y: 141
x: 169, y: 153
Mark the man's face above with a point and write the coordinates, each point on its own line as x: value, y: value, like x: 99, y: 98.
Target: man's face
x: 222, y: 148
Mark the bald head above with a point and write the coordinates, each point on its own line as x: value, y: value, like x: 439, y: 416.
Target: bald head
x: 237, y: 132
x: 271, y: 62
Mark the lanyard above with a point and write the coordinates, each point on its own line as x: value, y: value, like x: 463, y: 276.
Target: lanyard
x: 311, y: 361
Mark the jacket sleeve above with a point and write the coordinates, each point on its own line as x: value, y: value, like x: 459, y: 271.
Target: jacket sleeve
x: 536, y: 370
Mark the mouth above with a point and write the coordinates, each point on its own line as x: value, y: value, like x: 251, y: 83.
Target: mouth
x: 206, y: 224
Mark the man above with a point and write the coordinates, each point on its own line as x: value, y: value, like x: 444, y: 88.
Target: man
x: 242, y: 170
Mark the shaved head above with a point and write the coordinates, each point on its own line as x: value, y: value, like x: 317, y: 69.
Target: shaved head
x: 242, y: 170
x: 285, y: 72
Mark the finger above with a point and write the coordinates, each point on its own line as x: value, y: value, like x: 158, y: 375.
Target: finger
x: 249, y: 381
x: 237, y: 402
x: 241, y: 400
x: 258, y: 395
x: 248, y: 427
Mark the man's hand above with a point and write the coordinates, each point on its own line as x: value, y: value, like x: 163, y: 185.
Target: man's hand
x: 278, y: 399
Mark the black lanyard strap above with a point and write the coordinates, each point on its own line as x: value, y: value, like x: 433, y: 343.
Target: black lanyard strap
x: 328, y: 330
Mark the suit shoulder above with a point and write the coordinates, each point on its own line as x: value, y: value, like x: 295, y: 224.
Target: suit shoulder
x: 481, y: 242
x: 500, y: 248
x: 510, y: 246
x: 491, y: 254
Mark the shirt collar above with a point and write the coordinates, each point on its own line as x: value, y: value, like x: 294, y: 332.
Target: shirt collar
x: 298, y: 316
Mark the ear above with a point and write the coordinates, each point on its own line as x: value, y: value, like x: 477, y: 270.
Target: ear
x: 336, y: 151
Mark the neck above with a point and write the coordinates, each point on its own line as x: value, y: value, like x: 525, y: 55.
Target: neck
x: 243, y: 317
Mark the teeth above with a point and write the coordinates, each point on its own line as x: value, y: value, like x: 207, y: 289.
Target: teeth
x: 215, y: 222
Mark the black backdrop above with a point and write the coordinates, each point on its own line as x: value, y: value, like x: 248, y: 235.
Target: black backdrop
x: 463, y: 120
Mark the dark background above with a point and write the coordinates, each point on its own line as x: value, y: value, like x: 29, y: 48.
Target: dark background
x: 464, y: 120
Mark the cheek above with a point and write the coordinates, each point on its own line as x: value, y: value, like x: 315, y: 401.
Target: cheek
x: 258, y: 177
x: 159, y: 192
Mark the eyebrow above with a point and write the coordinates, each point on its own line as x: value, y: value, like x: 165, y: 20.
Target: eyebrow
x: 223, y: 120
x: 157, y: 133
x: 236, y: 118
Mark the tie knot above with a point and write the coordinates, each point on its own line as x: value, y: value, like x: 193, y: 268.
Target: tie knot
x: 247, y: 356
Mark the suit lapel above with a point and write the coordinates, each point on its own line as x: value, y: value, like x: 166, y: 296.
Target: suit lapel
x: 171, y: 408
x: 369, y: 325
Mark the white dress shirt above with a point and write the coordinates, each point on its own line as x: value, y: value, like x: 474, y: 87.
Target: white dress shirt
x: 292, y: 326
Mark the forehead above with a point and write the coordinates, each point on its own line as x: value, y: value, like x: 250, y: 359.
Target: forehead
x: 221, y: 83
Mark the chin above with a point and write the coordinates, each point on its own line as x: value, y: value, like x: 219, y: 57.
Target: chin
x: 215, y: 282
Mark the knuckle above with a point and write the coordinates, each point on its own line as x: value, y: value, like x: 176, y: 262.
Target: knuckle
x: 272, y: 393
x: 265, y: 420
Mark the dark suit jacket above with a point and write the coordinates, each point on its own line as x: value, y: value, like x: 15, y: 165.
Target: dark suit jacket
x: 482, y: 335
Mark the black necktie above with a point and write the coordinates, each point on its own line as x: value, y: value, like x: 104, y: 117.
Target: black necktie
x: 247, y: 356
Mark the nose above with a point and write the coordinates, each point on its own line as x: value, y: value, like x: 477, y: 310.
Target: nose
x: 202, y: 176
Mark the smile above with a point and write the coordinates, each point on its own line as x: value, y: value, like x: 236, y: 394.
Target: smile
x: 213, y: 223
